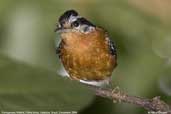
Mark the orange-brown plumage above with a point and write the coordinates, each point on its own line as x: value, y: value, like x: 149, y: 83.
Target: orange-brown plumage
x: 87, y: 57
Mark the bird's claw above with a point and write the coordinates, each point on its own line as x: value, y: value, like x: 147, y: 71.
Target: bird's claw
x: 117, y: 91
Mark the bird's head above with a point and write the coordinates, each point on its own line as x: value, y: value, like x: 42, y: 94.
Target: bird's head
x: 72, y: 21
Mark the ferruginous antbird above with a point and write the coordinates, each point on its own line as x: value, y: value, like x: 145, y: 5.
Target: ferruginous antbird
x: 85, y: 50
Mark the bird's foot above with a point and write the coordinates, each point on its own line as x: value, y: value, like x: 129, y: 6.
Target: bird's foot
x: 118, y: 92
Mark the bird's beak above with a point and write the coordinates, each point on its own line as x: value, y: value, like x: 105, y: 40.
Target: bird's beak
x: 58, y: 28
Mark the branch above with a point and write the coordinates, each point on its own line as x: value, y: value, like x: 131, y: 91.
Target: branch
x: 152, y: 105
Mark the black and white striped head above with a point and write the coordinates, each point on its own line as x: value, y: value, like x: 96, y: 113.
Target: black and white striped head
x: 71, y: 20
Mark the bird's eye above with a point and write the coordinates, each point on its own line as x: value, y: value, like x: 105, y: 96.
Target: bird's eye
x: 75, y: 24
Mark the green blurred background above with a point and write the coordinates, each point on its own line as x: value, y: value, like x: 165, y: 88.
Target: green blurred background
x: 28, y: 64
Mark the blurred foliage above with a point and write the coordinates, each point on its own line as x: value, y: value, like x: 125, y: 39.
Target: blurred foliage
x: 24, y: 87
x: 28, y: 64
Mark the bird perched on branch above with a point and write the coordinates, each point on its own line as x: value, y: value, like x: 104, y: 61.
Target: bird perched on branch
x: 85, y: 50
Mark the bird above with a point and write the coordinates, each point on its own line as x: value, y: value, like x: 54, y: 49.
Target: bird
x: 85, y: 50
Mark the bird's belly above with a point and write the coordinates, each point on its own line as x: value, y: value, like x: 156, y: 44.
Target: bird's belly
x: 88, y: 65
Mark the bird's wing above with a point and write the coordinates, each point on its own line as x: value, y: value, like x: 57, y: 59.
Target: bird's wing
x: 111, y: 45
x: 109, y: 42
x: 61, y: 70
x: 59, y: 47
